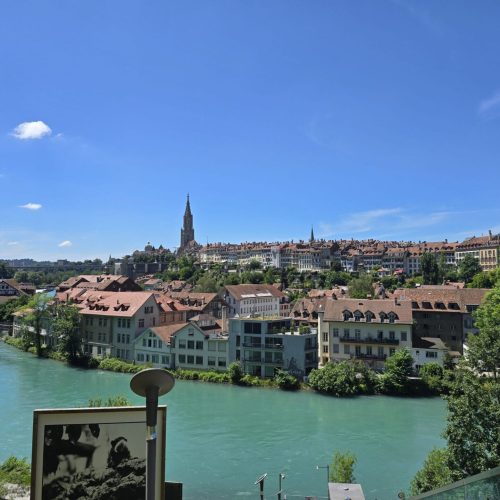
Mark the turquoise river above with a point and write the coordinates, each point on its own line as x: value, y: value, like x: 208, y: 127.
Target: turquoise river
x: 220, y: 439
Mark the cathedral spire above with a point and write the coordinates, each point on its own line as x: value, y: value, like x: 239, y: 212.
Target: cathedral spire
x: 311, y: 239
x: 187, y: 231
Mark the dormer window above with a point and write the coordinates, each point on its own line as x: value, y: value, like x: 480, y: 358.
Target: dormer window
x: 347, y: 315
x: 368, y: 316
x: 392, y: 317
x: 383, y: 317
x: 358, y: 315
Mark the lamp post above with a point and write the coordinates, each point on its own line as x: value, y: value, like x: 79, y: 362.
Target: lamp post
x: 327, y: 467
x: 151, y: 383
x: 260, y: 482
x: 280, y: 491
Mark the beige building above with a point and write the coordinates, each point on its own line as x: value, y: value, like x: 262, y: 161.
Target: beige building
x: 367, y: 330
x: 484, y: 248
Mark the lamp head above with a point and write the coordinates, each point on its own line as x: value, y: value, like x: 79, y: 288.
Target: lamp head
x: 149, y: 378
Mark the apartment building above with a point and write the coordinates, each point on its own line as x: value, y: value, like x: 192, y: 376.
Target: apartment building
x: 112, y: 321
x: 366, y: 330
x: 263, y: 345
x: 443, y: 312
x: 260, y: 300
x: 484, y: 248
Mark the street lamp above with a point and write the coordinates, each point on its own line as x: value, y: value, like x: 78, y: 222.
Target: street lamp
x: 260, y: 482
x: 151, y: 383
x: 327, y: 467
x: 281, y: 477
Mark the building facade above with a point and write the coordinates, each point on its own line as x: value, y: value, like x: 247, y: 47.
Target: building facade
x: 263, y: 345
x: 366, y: 330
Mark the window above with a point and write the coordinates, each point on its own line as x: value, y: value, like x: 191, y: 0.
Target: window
x: 221, y: 362
x: 335, y: 332
x: 238, y: 340
x: 325, y: 348
x: 165, y: 360
x: 190, y: 360
x: 140, y: 357
x: 369, y: 350
x: 149, y: 342
x: 429, y: 354
x: 346, y: 333
x: 211, y: 361
x: 222, y: 346
x: 141, y: 323
x: 392, y: 335
x: 357, y: 334
x: 154, y: 343
x: 199, y: 360
x: 325, y: 336
x: 251, y: 327
x: 211, y: 345
x: 347, y: 349
x: 190, y: 344
x: 182, y: 344
x: 358, y: 350
x: 403, y: 336
x: 182, y: 358
x: 380, y: 352
x: 199, y: 344
x: 143, y: 342
x: 336, y: 348
x: 154, y: 358
x: 392, y: 351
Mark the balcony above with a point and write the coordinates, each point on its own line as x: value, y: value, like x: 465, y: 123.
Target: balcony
x: 273, y: 346
x: 369, y: 340
x: 379, y: 357
x: 253, y: 346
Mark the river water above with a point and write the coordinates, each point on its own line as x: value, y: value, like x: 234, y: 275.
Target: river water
x: 220, y: 438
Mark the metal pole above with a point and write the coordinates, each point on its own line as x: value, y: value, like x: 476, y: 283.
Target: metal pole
x: 151, y: 410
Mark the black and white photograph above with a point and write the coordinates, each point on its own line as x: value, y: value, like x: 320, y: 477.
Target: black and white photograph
x: 93, y: 453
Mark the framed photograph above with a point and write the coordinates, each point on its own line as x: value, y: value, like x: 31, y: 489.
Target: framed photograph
x: 97, y: 453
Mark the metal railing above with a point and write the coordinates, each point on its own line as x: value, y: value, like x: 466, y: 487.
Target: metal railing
x: 369, y: 340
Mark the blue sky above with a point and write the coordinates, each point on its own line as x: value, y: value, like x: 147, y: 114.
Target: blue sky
x: 366, y: 119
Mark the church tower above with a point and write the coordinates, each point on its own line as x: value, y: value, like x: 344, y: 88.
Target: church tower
x: 311, y: 238
x: 187, y: 231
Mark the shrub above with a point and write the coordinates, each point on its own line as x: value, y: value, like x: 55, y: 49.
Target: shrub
x: 111, y: 401
x: 286, y: 381
x: 340, y: 379
x: 235, y: 372
x: 398, y: 368
x: 117, y: 365
x: 15, y: 471
x: 432, y: 376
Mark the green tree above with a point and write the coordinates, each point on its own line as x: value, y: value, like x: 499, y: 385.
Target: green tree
x: 484, y: 348
x: 434, y: 473
x: 207, y: 284
x: 5, y: 271
x: 468, y: 268
x: 481, y: 280
x: 360, y: 288
x: 342, y: 467
x: 473, y: 428
x: 429, y: 268
x: 66, y: 328
x: 398, y: 369
x: 432, y: 376
x: 111, y: 401
x: 38, y: 313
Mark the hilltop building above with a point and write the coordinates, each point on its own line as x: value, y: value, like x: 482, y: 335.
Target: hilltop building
x: 187, y: 231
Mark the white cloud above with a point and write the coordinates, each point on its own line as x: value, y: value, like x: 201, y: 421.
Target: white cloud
x: 31, y: 206
x: 12, y: 243
x: 31, y: 130
x: 65, y: 243
x: 490, y: 104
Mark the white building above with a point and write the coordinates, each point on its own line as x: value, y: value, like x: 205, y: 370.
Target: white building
x: 427, y: 350
x: 183, y: 346
x: 260, y: 300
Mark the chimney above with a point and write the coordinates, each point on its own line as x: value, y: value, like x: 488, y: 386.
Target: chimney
x: 396, y: 301
x: 490, y: 233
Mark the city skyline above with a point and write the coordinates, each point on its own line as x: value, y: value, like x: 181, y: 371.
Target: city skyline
x: 363, y: 121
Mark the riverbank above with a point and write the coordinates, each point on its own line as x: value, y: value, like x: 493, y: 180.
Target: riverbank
x: 343, y: 379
